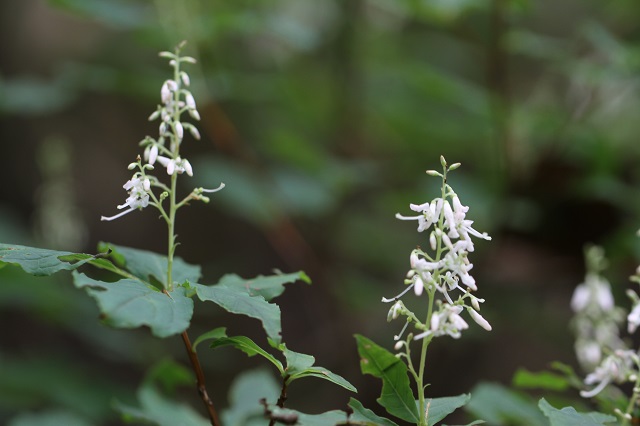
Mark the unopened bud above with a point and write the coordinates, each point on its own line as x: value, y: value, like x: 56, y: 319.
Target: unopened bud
x: 454, y: 166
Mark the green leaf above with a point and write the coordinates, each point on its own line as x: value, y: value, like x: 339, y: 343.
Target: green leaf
x: 159, y: 410
x: 145, y: 264
x: 297, y: 362
x: 244, y: 398
x: 301, y: 365
x: 268, y: 287
x: 542, y: 380
x: 237, y: 301
x: 216, y: 333
x: 287, y: 416
x: 366, y: 416
x: 396, y: 396
x: 439, y: 408
x: 130, y: 303
x: 37, y: 261
x: 323, y: 373
x: 497, y: 405
x: 247, y: 346
x: 568, y: 416
x: 49, y: 418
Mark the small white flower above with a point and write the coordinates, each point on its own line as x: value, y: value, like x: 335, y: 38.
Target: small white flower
x: 615, y: 368
x: 176, y: 165
x: 138, y: 196
x: 446, y: 321
x: 633, y: 319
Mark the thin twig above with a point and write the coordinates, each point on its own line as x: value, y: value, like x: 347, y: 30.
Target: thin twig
x: 281, y: 400
x: 202, y: 390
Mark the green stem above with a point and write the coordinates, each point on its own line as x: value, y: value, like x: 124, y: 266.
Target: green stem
x: 432, y: 297
x: 632, y: 402
x: 423, y: 358
x: 172, y: 236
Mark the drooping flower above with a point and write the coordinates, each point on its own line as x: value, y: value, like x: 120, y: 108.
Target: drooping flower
x: 617, y: 367
x: 176, y: 165
x: 138, y: 189
x: 446, y: 321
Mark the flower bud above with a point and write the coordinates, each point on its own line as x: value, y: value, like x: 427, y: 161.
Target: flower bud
x: 132, y: 166
x: 434, y: 173
x: 443, y: 161
x: 194, y: 114
x: 479, y: 319
x: 454, y: 166
x: 154, y: 115
x: 185, y: 78
x: 191, y: 102
x: 398, y: 345
x: 194, y: 132
x: 179, y: 130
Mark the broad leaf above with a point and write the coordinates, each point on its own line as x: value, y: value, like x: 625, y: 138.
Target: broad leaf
x: 297, y: 362
x: 247, y: 346
x: 145, y: 264
x: 244, y: 398
x: 237, y: 301
x: 439, y: 408
x: 268, y: 287
x: 365, y: 416
x: 497, y: 404
x: 130, y: 303
x: 157, y: 409
x: 396, y: 396
x: 542, y: 380
x: 568, y: 416
x: 37, y: 261
x: 301, y: 365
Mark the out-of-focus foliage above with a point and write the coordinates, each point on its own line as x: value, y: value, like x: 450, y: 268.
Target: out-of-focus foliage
x: 321, y: 118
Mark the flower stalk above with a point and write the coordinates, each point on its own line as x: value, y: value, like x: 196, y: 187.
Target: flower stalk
x: 439, y: 273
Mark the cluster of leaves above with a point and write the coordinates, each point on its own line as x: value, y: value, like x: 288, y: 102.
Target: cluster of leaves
x: 136, y: 298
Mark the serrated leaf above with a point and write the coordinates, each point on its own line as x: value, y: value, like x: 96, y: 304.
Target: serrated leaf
x: 439, y: 408
x: 130, y: 303
x: 38, y: 261
x: 247, y: 346
x: 397, y: 397
x: 237, y: 301
x: 216, y: 333
x: 268, y: 287
x: 568, y: 416
x: 366, y: 416
x: 145, y: 264
x: 542, y: 380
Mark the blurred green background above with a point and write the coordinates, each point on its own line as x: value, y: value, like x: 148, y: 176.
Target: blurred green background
x: 321, y: 117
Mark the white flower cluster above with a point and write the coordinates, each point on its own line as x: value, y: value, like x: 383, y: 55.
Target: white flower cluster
x: 597, y: 318
x: 176, y: 99
x: 599, y: 347
x: 446, y: 268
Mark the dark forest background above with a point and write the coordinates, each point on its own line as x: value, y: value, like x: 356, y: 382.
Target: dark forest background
x: 321, y: 117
